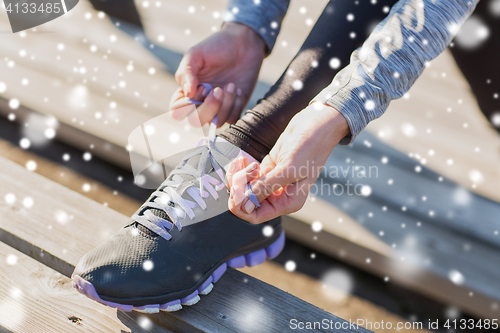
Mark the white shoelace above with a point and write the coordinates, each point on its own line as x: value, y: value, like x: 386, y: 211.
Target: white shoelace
x: 175, y: 206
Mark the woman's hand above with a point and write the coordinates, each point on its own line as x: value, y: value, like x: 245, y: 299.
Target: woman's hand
x: 283, y: 180
x: 230, y: 60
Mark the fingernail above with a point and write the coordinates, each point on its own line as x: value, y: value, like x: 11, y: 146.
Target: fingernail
x: 230, y: 88
x: 218, y: 93
x: 185, y: 88
x: 251, y: 167
x: 249, y: 207
x: 239, y: 92
x: 231, y: 194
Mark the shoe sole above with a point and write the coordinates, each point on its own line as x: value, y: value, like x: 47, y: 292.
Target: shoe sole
x: 252, y: 259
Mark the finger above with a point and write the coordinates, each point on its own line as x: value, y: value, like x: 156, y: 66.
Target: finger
x: 234, y: 166
x: 182, y: 107
x: 238, y: 106
x: 186, y: 74
x: 241, y: 179
x: 236, y: 192
x: 208, y: 109
x: 177, y: 96
x: 201, y: 94
x: 277, y: 204
x: 267, y: 165
x: 227, y: 104
x: 266, y: 185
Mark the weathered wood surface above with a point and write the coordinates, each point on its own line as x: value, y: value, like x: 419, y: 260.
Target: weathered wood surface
x: 334, y: 300
x: 35, y: 298
x: 65, y: 225
x: 448, y: 138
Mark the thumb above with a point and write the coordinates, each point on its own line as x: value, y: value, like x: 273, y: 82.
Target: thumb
x: 269, y: 183
x: 186, y: 75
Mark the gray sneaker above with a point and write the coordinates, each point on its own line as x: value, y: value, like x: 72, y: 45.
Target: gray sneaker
x: 179, y: 242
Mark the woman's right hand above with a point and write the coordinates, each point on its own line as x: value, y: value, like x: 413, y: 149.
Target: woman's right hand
x: 230, y: 61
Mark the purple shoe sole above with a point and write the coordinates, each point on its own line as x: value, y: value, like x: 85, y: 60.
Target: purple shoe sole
x: 252, y: 259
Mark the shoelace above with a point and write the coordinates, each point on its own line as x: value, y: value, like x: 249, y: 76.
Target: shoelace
x: 174, y: 205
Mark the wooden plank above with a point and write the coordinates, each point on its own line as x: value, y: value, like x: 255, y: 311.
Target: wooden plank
x: 52, y: 222
x: 335, y: 300
x: 332, y: 298
x: 35, y: 298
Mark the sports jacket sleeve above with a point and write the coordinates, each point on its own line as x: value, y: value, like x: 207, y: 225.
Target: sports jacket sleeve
x: 263, y: 16
x: 392, y: 58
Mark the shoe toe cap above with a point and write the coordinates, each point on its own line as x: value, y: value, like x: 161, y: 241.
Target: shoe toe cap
x: 130, y: 266
x: 120, y: 266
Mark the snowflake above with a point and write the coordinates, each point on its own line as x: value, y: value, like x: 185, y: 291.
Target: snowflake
x: 473, y: 33
x: 147, y: 265
x: 456, y: 277
x: 145, y: 323
x: 317, y: 226
x: 25, y: 143
x: 366, y: 190
x: 369, y: 105
x: 297, y: 85
x: 28, y: 202
x: 334, y: 63
x: 14, y: 103
x: 31, y: 165
x: 290, y: 265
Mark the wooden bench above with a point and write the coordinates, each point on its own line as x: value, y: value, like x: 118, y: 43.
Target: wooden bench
x: 104, y: 130
x: 56, y: 230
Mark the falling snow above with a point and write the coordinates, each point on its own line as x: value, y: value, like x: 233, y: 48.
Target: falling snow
x: 31, y: 165
x: 28, y: 202
x: 298, y: 85
x: 147, y: 265
x: 334, y: 63
x: 267, y: 231
x: 290, y: 265
x: 472, y: 34
x: 456, y: 277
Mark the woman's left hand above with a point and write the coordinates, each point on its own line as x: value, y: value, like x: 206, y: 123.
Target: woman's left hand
x: 283, y: 180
